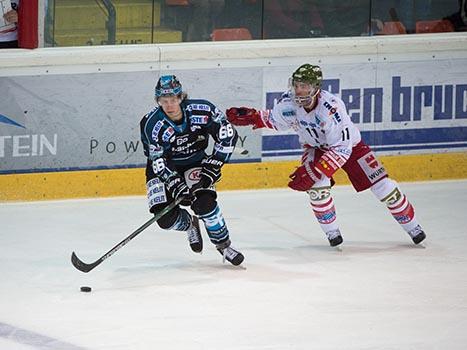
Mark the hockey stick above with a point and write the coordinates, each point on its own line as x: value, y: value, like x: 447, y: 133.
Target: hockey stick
x: 82, y: 266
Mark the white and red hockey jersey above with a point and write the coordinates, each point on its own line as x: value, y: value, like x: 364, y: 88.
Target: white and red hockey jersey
x: 328, y: 126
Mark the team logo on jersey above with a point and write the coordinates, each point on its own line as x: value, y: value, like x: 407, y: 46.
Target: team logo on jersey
x: 156, y: 129
x: 333, y: 112
x: 168, y: 133
x: 199, y: 119
x: 193, y: 128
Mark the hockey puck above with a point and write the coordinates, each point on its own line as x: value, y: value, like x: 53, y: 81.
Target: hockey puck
x: 85, y: 289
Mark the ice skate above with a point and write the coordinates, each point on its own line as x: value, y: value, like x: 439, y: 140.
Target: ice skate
x: 417, y: 234
x: 334, y: 237
x: 230, y: 254
x: 194, y: 235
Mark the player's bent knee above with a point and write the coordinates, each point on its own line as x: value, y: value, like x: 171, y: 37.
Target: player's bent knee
x: 205, y: 202
x: 169, y: 219
x: 319, y: 194
x: 386, y: 190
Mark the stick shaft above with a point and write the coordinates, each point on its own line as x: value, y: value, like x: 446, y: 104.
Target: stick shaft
x: 84, y: 267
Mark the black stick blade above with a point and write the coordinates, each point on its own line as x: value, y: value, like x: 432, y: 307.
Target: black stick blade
x: 82, y: 266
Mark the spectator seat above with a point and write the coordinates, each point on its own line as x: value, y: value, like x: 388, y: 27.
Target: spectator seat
x: 393, y: 28
x: 435, y: 26
x: 224, y: 34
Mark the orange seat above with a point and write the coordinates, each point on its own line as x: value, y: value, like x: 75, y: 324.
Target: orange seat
x: 391, y: 28
x: 436, y: 26
x: 177, y: 2
x: 231, y: 34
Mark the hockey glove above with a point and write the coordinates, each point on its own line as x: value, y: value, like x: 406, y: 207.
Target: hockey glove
x: 304, y: 177
x: 245, y: 116
x: 209, y: 175
x: 179, y: 189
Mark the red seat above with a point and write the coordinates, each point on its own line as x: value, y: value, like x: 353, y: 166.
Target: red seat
x: 436, y: 26
x: 177, y: 2
x: 226, y: 34
x: 392, y: 28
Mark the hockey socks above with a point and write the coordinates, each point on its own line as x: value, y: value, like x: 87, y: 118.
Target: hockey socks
x: 215, y: 226
x: 325, y: 212
x: 400, y: 208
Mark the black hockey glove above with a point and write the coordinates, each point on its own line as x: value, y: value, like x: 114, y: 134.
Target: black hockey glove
x: 209, y: 175
x: 179, y: 189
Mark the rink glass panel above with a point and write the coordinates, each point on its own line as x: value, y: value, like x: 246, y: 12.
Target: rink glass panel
x: 87, y: 22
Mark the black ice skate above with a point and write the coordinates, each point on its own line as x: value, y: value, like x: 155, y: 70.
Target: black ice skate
x: 194, y: 235
x: 334, y: 237
x: 230, y: 254
x: 417, y: 234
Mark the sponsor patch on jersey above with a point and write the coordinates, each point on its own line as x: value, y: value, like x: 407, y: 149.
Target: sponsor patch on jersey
x: 223, y: 149
x: 155, y: 192
x: 155, y: 151
x: 199, y: 107
x: 306, y: 124
x: 344, y: 151
x: 181, y: 139
x: 168, y: 133
x: 333, y: 112
x: 156, y: 129
x: 373, y: 169
x: 199, y: 119
x: 288, y: 113
x: 319, y: 121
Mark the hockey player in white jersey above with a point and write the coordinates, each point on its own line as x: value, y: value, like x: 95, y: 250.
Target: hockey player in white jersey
x: 330, y: 141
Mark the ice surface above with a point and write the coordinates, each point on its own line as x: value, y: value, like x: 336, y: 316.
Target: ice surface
x: 378, y: 292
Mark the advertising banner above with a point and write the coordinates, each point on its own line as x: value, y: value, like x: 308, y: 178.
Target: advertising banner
x: 82, y: 111
x: 91, y: 121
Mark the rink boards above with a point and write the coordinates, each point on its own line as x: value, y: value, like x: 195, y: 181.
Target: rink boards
x: 104, y: 183
x: 69, y: 116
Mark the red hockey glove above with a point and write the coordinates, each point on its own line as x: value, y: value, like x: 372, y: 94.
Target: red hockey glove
x: 245, y: 116
x: 304, y: 177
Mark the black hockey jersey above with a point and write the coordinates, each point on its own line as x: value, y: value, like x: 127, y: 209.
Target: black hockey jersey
x: 170, y: 146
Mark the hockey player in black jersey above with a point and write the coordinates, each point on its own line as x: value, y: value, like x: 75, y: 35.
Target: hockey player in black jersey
x: 175, y: 137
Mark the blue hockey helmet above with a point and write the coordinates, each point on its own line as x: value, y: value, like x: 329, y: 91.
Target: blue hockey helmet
x: 168, y: 85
